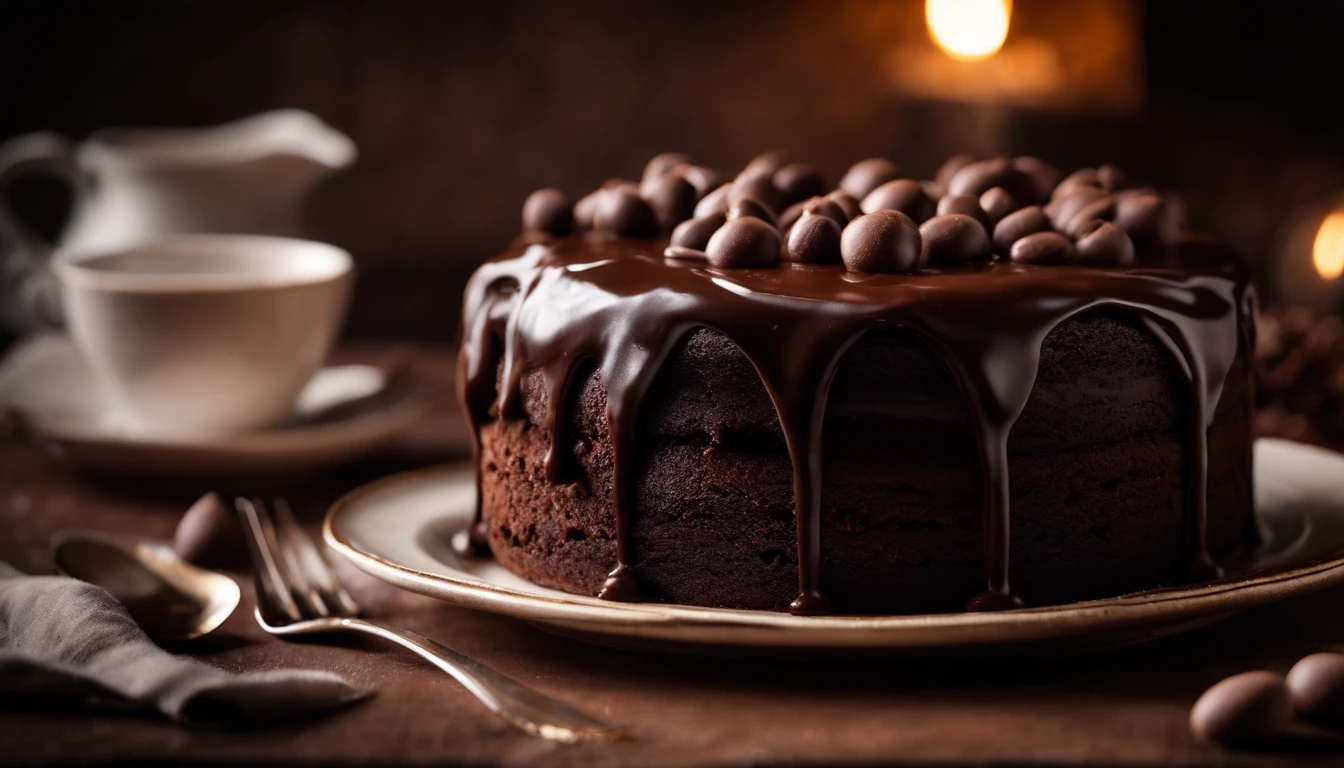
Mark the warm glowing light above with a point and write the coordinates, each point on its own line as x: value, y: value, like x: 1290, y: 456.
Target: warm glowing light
x: 969, y: 30
x: 1327, y: 253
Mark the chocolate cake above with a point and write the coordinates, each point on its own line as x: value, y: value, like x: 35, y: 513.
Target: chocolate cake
x: 985, y: 391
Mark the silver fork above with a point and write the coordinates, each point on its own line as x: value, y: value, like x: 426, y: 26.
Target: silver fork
x: 298, y: 594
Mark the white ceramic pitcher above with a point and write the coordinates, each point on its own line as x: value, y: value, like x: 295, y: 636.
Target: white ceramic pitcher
x: 251, y: 176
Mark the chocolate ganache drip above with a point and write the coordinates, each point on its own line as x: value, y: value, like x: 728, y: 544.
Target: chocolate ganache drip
x: 555, y: 304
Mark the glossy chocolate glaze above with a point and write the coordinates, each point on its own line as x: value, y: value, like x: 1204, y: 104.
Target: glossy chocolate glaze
x: 551, y: 304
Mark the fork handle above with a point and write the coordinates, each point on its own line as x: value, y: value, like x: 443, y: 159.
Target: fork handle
x: 528, y: 709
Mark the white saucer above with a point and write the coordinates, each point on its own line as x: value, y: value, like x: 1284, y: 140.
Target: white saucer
x: 345, y: 412
x: 401, y: 528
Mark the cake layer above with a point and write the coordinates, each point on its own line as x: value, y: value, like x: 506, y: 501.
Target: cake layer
x: 1097, y: 461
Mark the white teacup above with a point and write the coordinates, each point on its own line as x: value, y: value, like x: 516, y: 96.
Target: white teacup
x: 206, y: 333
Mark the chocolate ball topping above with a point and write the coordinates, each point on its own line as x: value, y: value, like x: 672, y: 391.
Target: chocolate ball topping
x: 621, y: 211
x: 748, y: 206
x: 978, y: 178
x: 744, y: 242
x: 882, y: 242
x: 821, y: 205
x: 904, y: 195
x: 1044, y: 176
x: 705, y: 180
x: 1103, y: 244
x: 548, y: 210
x: 847, y: 202
x: 695, y: 233
x: 1043, y: 248
x: 761, y: 189
x: 968, y: 205
x: 953, y: 239
x: 1102, y: 209
x: 763, y: 165
x: 866, y: 175
x: 672, y: 198
x: 1017, y: 225
x: 798, y: 181
x: 661, y: 165
x: 998, y: 202
x: 1148, y: 218
x: 714, y: 202
x: 950, y: 168
x: 1063, y: 207
x: 813, y: 239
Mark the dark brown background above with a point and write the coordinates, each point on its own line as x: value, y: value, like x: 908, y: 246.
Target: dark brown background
x: 460, y: 109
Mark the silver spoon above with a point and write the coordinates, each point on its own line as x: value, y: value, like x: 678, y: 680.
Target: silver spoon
x: 169, y: 598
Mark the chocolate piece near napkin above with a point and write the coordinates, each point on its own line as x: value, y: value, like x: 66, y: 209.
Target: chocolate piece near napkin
x: 66, y: 640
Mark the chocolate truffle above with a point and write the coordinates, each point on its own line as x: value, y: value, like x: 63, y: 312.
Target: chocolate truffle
x: 744, y: 242
x: 882, y: 241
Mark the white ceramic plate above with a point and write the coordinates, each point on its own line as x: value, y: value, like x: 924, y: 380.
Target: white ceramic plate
x: 345, y: 412
x: 401, y: 528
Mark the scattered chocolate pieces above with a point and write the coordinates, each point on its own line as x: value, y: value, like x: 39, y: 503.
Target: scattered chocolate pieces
x: 1243, y: 709
x: 997, y: 202
x: 1017, y: 225
x: 882, y: 242
x: 750, y: 206
x: 621, y: 211
x: 744, y: 242
x: 548, y: 210
x: 950, y: 168
x: 759, y: 188
x: 1042, y: 248
x: 672, y: 198
x: 1111, y: 178
x: 866, y: 175
x: 714, y: 202
x: 1083, y: 178
x: 763, y: 165
x: 821, y: 205
x: 798, y: 181
x: 814, y: 239
x: 209, y: 534
x: 954, y: 239
x: 695, y: 233
x: 1316, y: 684
x: 1103, y: 209
x: 904, y: 195
x: 1103, y: 244
x: 1062, y: 208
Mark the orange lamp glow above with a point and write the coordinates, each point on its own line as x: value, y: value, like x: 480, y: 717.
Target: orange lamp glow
x: 1327, y: 252
x: 968, y: 30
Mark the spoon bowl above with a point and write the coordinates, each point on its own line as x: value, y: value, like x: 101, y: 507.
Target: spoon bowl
x: 169, y: 598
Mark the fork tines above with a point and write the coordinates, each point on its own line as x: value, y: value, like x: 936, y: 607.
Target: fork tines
x: 294, y: 581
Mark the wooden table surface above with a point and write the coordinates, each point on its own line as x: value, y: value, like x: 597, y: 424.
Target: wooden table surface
x: 1122, y: 707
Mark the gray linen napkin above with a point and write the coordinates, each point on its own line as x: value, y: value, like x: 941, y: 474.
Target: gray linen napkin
x: 71, y: 642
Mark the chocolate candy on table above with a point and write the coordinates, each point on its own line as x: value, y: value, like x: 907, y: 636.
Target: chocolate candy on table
x: 1044, y: 176
x: 904, y: 195
x: 209, y: 534
x: 968, y: 205
x: 621, y: 211
x: 1017, y: 225
x: 695, y: 233
x: 744, y: 242
x: 1316, y: 684
x: 662, y: 164
x: 672, y: 198
x: 1044, y: 248
x: 1148, y: 218
x: 1103, y: 244
x: 714, y: 202
x: 548, y: 210
x: 798, y: 181
x: 979, y: 178
x: 954, y: 239
x: 813, y: 239
x: 749, y: 206
x: 1242, y: 710
x: 866, y: 175
x: 847, y: 202
x: 705, y: 180
x: 882, y: 242
x: 998, y: 202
